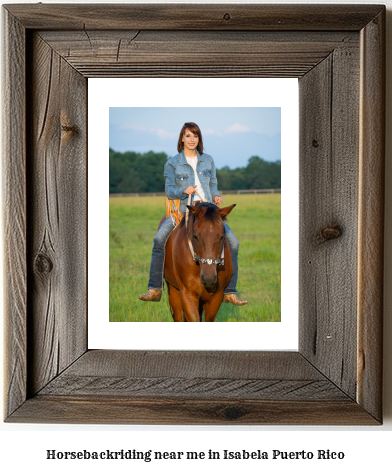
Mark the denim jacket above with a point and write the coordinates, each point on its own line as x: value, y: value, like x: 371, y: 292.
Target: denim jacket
x: 179, y: 175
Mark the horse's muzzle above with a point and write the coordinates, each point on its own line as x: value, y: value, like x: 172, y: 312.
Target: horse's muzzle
x: 210, y: 281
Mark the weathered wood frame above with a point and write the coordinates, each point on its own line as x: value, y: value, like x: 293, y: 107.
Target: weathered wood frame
x: 337, y: 52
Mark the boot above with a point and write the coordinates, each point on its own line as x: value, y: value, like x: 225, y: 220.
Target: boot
x: 233, y: 299
x: 151, y: 295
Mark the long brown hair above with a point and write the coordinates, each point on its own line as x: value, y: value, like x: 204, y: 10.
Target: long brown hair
x: 193, y: 128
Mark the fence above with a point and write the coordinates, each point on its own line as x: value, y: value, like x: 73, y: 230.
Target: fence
x: 236, y: 191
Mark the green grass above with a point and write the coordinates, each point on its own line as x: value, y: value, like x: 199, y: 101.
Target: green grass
x: 255, y: 221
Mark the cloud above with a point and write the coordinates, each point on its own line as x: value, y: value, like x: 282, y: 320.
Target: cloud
x: 209, y: 131
x: 237, y: 128
x: 162, y: 133
x: 132, y: 127
x: 159, y: 132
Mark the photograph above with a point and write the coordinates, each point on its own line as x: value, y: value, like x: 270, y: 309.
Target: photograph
x: 211, y: 185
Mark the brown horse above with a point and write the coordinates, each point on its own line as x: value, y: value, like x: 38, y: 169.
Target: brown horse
x: 196, y: 284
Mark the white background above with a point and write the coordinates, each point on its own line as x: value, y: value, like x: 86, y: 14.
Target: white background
x: 102, y: 334
x: 23, y: 447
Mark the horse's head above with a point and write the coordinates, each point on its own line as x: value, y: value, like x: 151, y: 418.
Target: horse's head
x: 207, y: 234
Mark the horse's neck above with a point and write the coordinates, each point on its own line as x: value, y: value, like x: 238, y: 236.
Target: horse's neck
x: 189, y: 231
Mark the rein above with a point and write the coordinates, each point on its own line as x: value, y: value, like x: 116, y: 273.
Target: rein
x: 208, y: 261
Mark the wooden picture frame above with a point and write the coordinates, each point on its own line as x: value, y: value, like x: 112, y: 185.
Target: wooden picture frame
x: 338, y: 54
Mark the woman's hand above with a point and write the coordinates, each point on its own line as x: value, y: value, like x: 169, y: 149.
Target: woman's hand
x: 218, y: 200
x: 190, y: 189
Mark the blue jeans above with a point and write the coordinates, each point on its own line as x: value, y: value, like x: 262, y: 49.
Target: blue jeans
x: 158, y: 257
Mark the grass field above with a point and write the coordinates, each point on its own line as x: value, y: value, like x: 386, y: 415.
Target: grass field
x: 255, y: 221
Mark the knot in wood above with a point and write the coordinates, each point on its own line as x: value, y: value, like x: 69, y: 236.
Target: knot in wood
x: 227, y: 16
x: 315, y: 143
x: 69, y: 129
x: 328, y: 233
x: 43, y: 264
x: 233, y: 412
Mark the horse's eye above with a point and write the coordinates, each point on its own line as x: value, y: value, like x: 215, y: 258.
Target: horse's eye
x: 195, y: 237
x: 222, y: 237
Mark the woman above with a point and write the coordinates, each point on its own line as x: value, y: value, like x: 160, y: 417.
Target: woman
x: 191, y: 172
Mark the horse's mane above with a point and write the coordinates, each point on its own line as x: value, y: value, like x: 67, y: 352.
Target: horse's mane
x: 211, y: 215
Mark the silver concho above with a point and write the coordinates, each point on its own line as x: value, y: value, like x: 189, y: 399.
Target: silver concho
x: 209, y: 261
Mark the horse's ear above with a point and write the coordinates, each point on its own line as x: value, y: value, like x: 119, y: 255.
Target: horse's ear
x: 226, y: 210
x: 196, y: 210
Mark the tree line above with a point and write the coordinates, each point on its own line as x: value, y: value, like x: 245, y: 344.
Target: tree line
x: 132, y: 172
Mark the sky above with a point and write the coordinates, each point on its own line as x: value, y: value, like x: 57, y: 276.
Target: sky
x: 231, y: 135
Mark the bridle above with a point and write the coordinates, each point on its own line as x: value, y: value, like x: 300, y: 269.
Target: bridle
x: 208, y: 261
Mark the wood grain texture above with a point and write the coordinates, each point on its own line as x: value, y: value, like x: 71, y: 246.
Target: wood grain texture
x: 192, y: 387
x: 58, y: 215
x: 102, y: 409
x: 194, y: 17
x: 203, y: 374
x: 14, y: 208
x: 329, y: 215
x: 371, y: 216
x: 193, y: 53
x: 208, y: 364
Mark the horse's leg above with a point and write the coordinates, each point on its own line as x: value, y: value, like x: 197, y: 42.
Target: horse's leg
x: 201, y: 309
x: 190, y: 305
x: 175, y: 303
x: 212, y: 307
